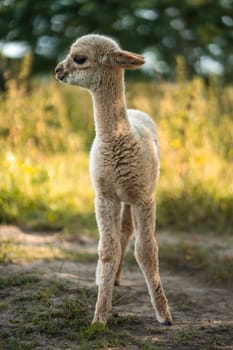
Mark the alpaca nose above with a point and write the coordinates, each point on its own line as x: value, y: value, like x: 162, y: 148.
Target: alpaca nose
x: 60, y: 72
x: 59, y: 68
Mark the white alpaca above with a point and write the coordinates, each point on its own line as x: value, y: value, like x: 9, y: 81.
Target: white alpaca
x: 124, y: 168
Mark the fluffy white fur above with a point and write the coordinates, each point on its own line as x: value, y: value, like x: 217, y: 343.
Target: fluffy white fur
x: 124, y: 168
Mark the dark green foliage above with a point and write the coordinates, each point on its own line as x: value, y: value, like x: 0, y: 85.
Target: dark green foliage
x: 192, y: 28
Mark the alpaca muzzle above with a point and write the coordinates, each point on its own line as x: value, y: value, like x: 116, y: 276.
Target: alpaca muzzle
x: 60, y: 72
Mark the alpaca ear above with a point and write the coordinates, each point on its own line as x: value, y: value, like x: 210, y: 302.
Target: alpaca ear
x: 124, y: 59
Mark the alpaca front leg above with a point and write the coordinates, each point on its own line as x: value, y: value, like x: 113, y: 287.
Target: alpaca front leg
x: 108, y: 220
x: 146, y: 252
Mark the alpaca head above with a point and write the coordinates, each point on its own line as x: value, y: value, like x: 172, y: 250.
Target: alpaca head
x: 92, y: 59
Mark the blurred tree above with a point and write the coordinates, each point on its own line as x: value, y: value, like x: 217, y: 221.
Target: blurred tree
x: 199, y: 30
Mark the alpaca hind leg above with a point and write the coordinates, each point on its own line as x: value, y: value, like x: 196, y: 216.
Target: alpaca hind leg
x: 109, y: 249
x: 126, y: 232
x: 146, y: 252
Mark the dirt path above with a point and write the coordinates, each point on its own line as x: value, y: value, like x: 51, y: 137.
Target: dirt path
x: 203, y: 314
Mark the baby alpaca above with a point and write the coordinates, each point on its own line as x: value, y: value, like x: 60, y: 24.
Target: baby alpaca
x: 124, y: 168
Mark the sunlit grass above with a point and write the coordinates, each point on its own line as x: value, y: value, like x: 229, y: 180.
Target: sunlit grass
x: 19, y: 253
x: 53, y: 191
x: 45, y: 137
x: 11, y: 252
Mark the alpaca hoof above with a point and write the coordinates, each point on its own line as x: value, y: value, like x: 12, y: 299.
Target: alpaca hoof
x: 117, y: 283
x: 100, y: 320
x: 167, y: 322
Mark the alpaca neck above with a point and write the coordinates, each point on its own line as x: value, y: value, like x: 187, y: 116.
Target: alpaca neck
x: 110, y: 113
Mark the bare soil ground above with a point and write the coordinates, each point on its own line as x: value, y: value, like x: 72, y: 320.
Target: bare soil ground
x: 47, y: 302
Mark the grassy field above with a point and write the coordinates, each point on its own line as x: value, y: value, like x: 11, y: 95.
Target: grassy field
x: 46, y: 130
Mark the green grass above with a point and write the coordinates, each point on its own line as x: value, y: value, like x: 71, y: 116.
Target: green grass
x: 47, y: 195
x: 45, y: 137
x: 57, y: 312
x: 17, y: 280
x: 39, y: 311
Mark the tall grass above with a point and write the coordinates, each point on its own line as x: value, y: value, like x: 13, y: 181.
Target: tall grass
x: 195, y: 125
x: 46, y: 132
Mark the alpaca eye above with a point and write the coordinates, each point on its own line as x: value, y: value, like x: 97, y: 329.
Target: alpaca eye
x: 80, y: 60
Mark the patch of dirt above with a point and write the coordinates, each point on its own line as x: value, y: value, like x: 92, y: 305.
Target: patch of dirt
x: 203, y: 314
